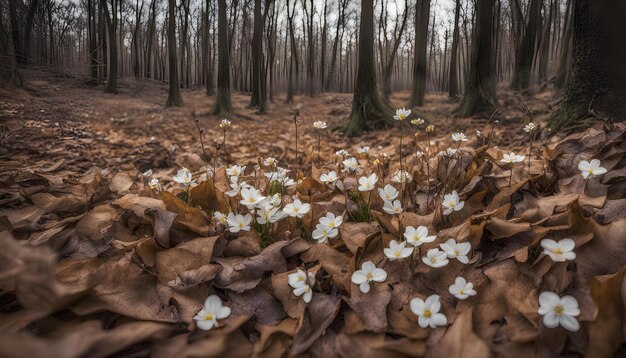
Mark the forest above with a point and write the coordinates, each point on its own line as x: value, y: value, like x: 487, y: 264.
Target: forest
x: 282, y: 178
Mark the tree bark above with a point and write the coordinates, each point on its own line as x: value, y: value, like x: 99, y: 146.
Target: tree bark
x: 422, y: 16
x: 453, y: 85
x: 222, y: 101
x: 368, y: 111
x: 173, y: 95
x: 258, y: 99
x: 112, y: 29
x: 598, y: 76
x: 525, y: 55
x: 480, y: 88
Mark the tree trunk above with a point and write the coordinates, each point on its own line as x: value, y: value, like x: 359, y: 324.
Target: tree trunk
x: 598, y: 76
x: 480, y: 88
x: 29, y: 28
x: 112, y: 28
x: 293, y: 63
x: 422, y: 16
x: 525, y: 55
x: 150, y: 38
x: 222, y: 101
x: 257, y: 99
x: 453, y: 85
x: 173, y: 94
x: 368, y: 111
x: 389, y: 62
x: 566, y: 49
x: 15, y: 31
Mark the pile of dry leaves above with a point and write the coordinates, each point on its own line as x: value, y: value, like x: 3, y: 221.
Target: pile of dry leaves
x: 106, y: 264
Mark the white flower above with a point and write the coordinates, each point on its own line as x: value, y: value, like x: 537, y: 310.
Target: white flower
x: 301, y: 283
x: 428, y: 312
x: 529, y: 127
x: 397, y: 251
x: 331, y: 221
x: 235, y: 170
x: 220, y: 217
x: 401, y: 176
x: 250, y: 197
x: 368, y: 273
x: 459, y: 137
x: 235, y: 186
x: 239, y: 222
x: 183, y: 177
x: 225, y: 123
x: 297, y: 209
x: 367, y: 183
x: 342, y: 153
x: 147, y: 173
x: 458, y: 250
x: 393, y: 209
x: 270, y: 162
x: 559, y: 310
x: 351, y: 164
x: 559, y: 251
x: 479, y: 133
x: 591, y: 169
x: 210, y: 313
x: 462, y: 289
x: 322, y: 233
x: 269, y: 213
x: 363, y: 150
x: 435, y: 258
x: 319, y: 124
x: 389, y: 193
x: 417, y: 121
x: 154, y: 184
x: 419, y: 154
x: 417, y: 237
x: 329, y: 178
x: 512, y: 158
x: 275, y: 200
x: 451, y: 203
x: 401, y: 114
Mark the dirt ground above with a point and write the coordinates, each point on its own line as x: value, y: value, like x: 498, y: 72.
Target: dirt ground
x: 57, y: 119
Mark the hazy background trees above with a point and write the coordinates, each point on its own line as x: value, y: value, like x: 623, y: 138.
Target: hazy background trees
x: 310, y: 47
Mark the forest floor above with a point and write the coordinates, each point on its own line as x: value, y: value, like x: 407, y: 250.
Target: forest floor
x: 57, y: 118
x: 94, y: 262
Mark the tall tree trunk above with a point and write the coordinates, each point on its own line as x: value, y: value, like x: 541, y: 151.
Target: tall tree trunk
x: 173, y: 95
x: 480, y: 88
x: 525, y: 55
x: 257, y: 99
x: 293, y: 63
x: 422, y: 16
x: 598, y: 76
x: 112, y: 28
x: 566, y: 48
x: 544, y: 46
x: 368, y: 111
x: 222, y: 101
x: 333, y: 59
x: 453, y: 86
x: 29, y: 28
x: 93, y: 46
x: 150, y: 38
x: 15, y: 31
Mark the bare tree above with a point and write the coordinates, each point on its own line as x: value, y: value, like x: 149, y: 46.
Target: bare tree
x: 480, y: 88
x: 598, y: 76
x: 222, y: 101
x: 422, y: 16
x: 173, y: 95
x: 525, y: 55
x: 368, y: 111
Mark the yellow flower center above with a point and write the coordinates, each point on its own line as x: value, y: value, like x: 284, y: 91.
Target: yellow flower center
x: 427, y: 313
x: 462, y: 292
x: 369, y: 275
x: 558, y: 251
x: 590, y: 171
x: 296, y: 210
x: 558, y: 309
x: 208, y: 317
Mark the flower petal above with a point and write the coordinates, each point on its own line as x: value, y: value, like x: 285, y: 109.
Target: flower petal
x: 570, y: 323
x: 364, y: 287
x: 417, y: 306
